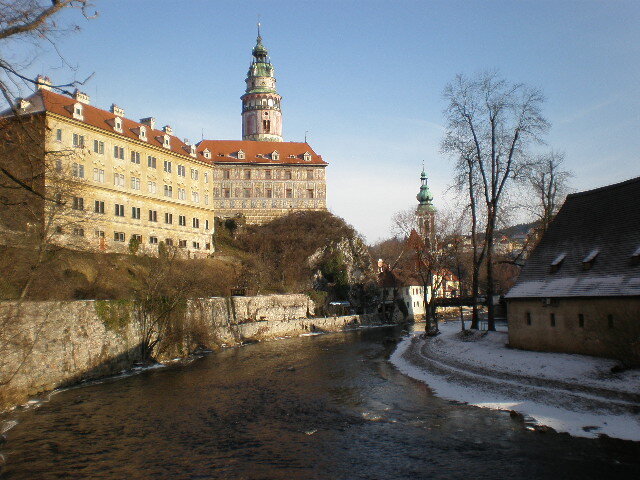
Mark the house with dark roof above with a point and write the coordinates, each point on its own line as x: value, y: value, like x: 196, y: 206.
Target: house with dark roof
x: 579, y: 291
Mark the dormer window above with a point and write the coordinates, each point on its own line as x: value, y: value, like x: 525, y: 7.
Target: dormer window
x: 165, y: 141
x: 77, y: 111
x: 117, y: 124
x: 275, y: 156
x: 307, y: 157
x: 241, y: 155
x: 207, y: 153
x: 589, y: 260
x: 192, y: 150
x: 557, y: 263
x: 143, y: 133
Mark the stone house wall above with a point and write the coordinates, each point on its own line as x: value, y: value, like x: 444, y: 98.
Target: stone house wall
x: 605, y: 327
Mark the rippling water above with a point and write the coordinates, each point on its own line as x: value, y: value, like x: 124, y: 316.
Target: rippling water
x: 324, y: 407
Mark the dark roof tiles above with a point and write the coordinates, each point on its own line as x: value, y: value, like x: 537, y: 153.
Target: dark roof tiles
x: 591, y: 241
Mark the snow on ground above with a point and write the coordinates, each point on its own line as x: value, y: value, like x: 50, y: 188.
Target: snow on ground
x: 569, y: 393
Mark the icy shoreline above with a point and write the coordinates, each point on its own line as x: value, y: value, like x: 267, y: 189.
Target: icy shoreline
x: 569, y: 393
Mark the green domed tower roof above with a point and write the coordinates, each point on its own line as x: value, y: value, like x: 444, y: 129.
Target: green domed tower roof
x: 424, y: 195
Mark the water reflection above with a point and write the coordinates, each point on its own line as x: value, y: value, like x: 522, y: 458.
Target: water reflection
x: 326, y: 407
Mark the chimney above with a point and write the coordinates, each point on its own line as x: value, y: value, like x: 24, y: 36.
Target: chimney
x: 149, y: 122
x: 116, y: 110
x: 187, y: 142
x: 82, y: 97
x: 43, y: 83
x: 167, y: 129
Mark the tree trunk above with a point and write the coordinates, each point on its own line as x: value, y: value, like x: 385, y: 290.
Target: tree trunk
x: 491, y: 325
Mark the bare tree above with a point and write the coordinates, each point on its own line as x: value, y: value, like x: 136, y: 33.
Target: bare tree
x: 33, y: 22
x: 491, y: 122
x: 548, y: 182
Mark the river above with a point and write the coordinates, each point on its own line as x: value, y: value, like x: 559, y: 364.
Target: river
x: 321, y: 407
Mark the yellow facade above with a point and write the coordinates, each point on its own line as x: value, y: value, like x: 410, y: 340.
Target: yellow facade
x: 128, y: 188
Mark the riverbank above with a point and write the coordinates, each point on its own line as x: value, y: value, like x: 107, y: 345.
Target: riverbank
x: 57, y: 344
x: 569, y: 393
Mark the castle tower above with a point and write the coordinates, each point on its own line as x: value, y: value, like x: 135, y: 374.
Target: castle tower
x: 426, y: 212
x: 261, y: 115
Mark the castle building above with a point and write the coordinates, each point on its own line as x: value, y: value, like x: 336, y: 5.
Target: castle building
x: 132, y: 180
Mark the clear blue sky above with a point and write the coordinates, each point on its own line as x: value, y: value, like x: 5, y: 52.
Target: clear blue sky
x: 365, y: 78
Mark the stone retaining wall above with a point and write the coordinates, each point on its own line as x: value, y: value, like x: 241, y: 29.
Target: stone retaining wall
x: 45, y: 345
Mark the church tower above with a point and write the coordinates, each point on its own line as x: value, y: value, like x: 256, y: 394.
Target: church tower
x: 426, y: 212
x: 261, y: 114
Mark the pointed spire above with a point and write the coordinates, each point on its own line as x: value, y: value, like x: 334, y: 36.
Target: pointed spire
x: 424, y: 195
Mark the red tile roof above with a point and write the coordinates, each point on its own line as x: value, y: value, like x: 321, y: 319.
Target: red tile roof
x: 225, y: 151
x: 222, y: 151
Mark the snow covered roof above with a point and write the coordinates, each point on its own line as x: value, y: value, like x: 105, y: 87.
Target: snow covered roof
x: 590, y: 249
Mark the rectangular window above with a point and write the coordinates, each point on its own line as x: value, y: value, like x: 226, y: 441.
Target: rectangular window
x: 310, y: 193
x: 206, y: 177
x: 195, y: 197
x: 77, y: 170
x: 168, y: 218
x: 118, y: 179
x: 194, y: 174
x: 289, y: 193
x: 118, y: 236
x: 168, y: 191
x: 78, y: 140
x: 182, y: 220
x: 267, y: 174
x: 78, y: 203
x: 182, y: 171
x: 99, y: 233
x: 153, y: 215
x: 78, y: 232
x: 309, y: 174
x: 552, y: 319
x: 196, y: 223
x: 59, y: 135
x: 98, y: 147
x: 581, y: 320
x: 136, y: 238
x: 527, y: 317
x: 206, y: 224
x: 135, y: 213
x: 135, y: 157
x: 247, y: 174
x: 98, y: 175
x: 98, y: 206
x: 287, y: 174
x: 182, y: 243
x: 153, y: 240
x: 169, y: 241
x: 226, y: 192
x: 246, y: 193
x: 151, y: 161
x: 269, y: 193
x: 167, y: 166
x: 206, y: 199
x: 151, y: 186
x: 118, y: 152
x: 182, y: 194
x: 119, y: 210
x: 226, y: 174
x: 58, y: 165
x: 135, y: 183
x: 196, y: 245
